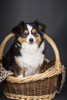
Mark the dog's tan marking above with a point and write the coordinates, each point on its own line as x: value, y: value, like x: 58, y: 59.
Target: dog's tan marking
x: 21, y: 40
x: 22, y: 72
x: 26, y: 31
x: 38, y: 39
x: 34, y: 30
x: 37, y: 70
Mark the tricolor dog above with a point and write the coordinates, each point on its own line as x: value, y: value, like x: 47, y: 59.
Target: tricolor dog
x: 27, y: 53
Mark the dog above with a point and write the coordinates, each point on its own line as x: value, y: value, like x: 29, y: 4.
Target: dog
x: 26, y: 55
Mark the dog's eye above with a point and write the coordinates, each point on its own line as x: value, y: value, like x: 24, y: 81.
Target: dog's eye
x: 25, y: 35
x: 35, y: 34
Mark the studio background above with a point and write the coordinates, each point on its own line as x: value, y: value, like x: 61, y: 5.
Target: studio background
x: 53, y: 13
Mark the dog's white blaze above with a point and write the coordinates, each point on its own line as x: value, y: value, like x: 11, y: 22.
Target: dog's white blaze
x: 29, y: 27
x: 31, y: 57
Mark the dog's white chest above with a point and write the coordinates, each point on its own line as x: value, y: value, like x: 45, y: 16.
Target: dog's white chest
x: 30, y: 60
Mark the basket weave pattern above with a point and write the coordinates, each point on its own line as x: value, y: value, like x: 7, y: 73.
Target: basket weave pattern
x: 38, y: 88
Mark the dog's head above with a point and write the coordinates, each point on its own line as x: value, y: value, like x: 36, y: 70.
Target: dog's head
x: 29, y: 33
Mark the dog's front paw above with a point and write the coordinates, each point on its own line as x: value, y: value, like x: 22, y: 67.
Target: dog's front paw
x: 20, y: 76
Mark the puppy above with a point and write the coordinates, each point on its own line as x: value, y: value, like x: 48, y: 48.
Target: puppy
x: 26, y: 55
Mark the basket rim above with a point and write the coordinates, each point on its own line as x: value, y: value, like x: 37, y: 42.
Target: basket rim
x: 14, y: 96
x: 36, y: 77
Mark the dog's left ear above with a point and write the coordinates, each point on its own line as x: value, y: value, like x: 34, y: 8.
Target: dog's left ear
x: 42, y: 27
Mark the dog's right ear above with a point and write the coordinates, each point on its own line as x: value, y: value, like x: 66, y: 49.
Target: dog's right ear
x: 42, y: 27
x: 17, y: 30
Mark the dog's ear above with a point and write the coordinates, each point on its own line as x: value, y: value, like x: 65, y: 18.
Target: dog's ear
x: 42, y: 27
x: 17, y: 30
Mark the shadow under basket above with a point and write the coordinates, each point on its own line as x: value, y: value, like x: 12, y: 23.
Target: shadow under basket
x: 36, y: 87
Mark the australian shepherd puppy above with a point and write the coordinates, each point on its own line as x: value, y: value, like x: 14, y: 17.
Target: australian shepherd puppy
x: 26, y: 55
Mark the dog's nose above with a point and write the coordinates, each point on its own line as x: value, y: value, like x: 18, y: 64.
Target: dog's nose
x: 31, y: 40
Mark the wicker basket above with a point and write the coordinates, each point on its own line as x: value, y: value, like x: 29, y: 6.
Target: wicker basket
x: 36, y: 87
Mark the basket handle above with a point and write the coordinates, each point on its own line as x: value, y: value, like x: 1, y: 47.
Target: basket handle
x: 55, y: 49
x: 50, y: 41
x: 3, y: 44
